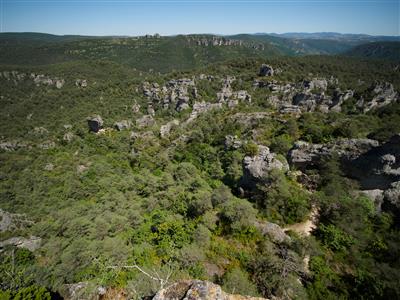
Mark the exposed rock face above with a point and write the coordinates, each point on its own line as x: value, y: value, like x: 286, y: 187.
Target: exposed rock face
x: 135, y: 108
x: 232, y: 142
x: 123, y: 125
x: 384, y: 94
x: 165, y: 129
x: 12, y: 145
x: 95, y: 123
x: 46, y: 145
x: 376, y: 196
x: 68, y: 137
x: 227, y: 95
x: 304, y: 155
x: 145, y: 121
x: 273, y: 231
x: 379, y: 167
x: 81, y: 83
x: 31, y: 244
x: 290, y: 109
x: 197, y: 290
x: 10, y: 221
x: 392, y: 194
x: 202, y: 107
x: 266, y: 70
x: 256, y: 168
x: 174, y: 94
x: 250, y: 119
x: 315, y: 83
x: 218, y: 41
x: 38, y: 79
x: 83, y: 290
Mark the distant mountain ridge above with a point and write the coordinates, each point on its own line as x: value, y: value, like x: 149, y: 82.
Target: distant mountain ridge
x: 166, y: 53
x: 377, y: 50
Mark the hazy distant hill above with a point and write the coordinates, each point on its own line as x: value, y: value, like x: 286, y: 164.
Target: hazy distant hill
x: 336, y: 36
x: 379, y: 50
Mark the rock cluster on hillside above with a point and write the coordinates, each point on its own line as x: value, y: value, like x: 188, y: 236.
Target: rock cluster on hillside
x: 256, y: 168
x: 197, y: 290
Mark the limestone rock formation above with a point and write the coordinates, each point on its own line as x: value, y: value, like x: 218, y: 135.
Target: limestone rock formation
x: 145, y: 121
x: 10, y: 221
x: 304, y: 154
x: 31, y: 244
x: 266, y: 70
x: 95, y: 123
x: 273, y: 231
x: 81, y: 83
x: 165, y: 129
x: 232, y: 142
x: 256, y: 168
x: 123, y: 125
x: 392, y: 194
x: 197, y: 290
x: 378, y: 167
x: 383, y: 94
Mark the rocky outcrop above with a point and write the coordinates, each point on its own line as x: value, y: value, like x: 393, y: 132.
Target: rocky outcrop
x: 383, y: 94
x: 11, y: 222
x: 273, y: 231
x: 145, y: 121
x: 219, y: 41
x: 250, y: 119
x: 95, y: 123
x: 197, y: 290
x: 82, y: 83
x: 202, y: 107
x: 123, y: 125
x: 33, y: 243
x: 304, y: 155
x: 38, y: 79
x: 392, y: 194
x: 68, y: 137
x: 165, y: 129
x: 257, y: 167
x: 315, y: 84
x: 376, y: 196
x: 379, y: 167
x: 175, y: 93
x: 232, y: 142
x: 266, y: 70
x: 12, y: 145
x: 83, y: 291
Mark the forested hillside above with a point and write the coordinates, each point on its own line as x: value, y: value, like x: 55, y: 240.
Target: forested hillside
x: 268, y: 175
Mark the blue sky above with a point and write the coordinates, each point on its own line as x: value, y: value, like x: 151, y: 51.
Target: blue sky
x: 137, y: 17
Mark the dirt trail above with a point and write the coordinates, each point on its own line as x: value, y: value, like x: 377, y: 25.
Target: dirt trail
x: 306, y: 227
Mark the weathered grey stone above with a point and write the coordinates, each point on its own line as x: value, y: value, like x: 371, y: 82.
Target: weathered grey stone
x: 68, y: 137
x: 232, y: 142
x: 31, y: 244
x: 197, y: 290
x: 378, y: 167
x: 392, y: 194
x: 165, y: 129
x: 273, y: 231
x: 384, y: 94
x: 145, y: 121
x: 304, y: 154
x: 81, y: 83
x: 376, y: 196
x: 95, y: 123
x: 123, y: 125
x: 256, y: 168
x: 266, y: 70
